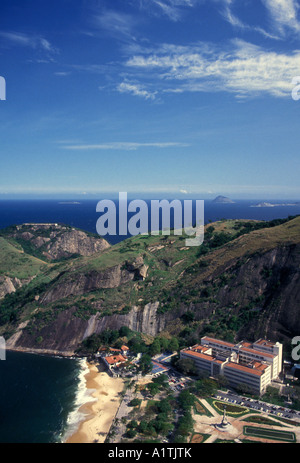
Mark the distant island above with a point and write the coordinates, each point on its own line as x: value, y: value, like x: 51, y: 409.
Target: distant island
x: 223, y: 200
x: 69, y: 202
x: 265, y: 204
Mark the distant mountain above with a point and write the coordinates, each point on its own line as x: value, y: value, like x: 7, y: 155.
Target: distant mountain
x: 266, y: 204
x: 223, y: 199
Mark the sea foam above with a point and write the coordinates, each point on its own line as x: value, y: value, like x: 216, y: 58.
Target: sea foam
x: 83, y: 396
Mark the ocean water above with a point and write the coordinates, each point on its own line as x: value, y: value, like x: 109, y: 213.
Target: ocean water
x: 40, y: 396
x: 82, y: 214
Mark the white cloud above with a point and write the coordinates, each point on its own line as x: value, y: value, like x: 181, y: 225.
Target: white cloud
x: 284, y: 13
x: 242, y: 68
x: 62, y: 73
x: 116, y: 24
x: 172, y: 9
x: 127, y: 146
x: 135, y: 89
x: 228, y: 14
x: 25, y: 40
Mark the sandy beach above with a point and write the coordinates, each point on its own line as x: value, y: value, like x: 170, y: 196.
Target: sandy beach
x: 100, y: 413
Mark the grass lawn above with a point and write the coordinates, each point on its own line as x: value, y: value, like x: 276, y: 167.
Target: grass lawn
x: 231, y: 409
x: 263, y: 420
x: 266, y: 433
x: 200, y: 409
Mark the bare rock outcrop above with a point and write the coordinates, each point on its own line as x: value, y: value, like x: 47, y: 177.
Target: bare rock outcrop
x: 9, y: 285
x: 56, y: 242
x: 75, y: 242
x: 77, y: 284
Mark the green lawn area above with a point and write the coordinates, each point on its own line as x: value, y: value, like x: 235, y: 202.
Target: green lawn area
x: 231, y: 409
x: 263, y: 420
x: 200, y: 409
x: 266, y: 433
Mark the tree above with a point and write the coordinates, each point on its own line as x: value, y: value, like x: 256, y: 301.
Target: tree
x: 222, y: 380
x: 186, y: 366
x: 162, y: 380
x: 164, y: 406
x: 132, y: 424
x: 137, y: 346
x: 124, y: 331
x: 145, y: 364
x: 205, y: 387
x: 173, y: 345
x: 153, y: 388
x: 155, y: 347
x: 188, y: 317
x: 163, y: 426
x: 185, y: 424
x: 143, y: 426
x: 131, y: 433
x: 164, y: 343
x: 244, y: 388
x: 186, y: 399
x: 135, y: 402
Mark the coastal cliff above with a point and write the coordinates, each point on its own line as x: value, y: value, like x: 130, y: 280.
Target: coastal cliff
x: 242, y: 282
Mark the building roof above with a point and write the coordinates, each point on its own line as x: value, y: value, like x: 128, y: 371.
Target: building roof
x: 246, y: 344
x: 158, y: 368
x: 217, y: 341
x: 257, y: 352
x: 264, y: 342
x: 259, y: 365
x: 203, y: 356
x: 113, y: 359
x: 245, y: 369
x: 124, y: 348
x: 201, y: 349
x: 113, y: 349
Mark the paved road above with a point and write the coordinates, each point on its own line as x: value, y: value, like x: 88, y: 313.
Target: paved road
x: 259, y: 405
x: 123, y: 412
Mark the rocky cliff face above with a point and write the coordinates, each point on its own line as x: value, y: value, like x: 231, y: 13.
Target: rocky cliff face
x: 73, y: 242
x: 56, y: 242
x: 65, y: 334
x: 252, y: 280
x: 81, y: 283
x: 276, y: 276
x: 10, y: 285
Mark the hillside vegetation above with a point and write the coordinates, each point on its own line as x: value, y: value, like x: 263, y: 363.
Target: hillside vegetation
x: 242, y: 282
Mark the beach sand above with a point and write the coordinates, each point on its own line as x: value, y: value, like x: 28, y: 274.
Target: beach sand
x: 100, y: 413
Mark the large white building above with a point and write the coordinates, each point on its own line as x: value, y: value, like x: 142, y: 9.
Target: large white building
x: 254, y: 364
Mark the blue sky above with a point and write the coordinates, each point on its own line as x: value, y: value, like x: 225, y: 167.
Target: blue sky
x: 165, y: 97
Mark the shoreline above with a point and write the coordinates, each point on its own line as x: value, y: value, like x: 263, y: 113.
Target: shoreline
x: 46, y: 352
x: 99, y: 413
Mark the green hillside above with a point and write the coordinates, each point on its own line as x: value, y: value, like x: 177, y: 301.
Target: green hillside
x: 243, y: 280
x: 15, y: 263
